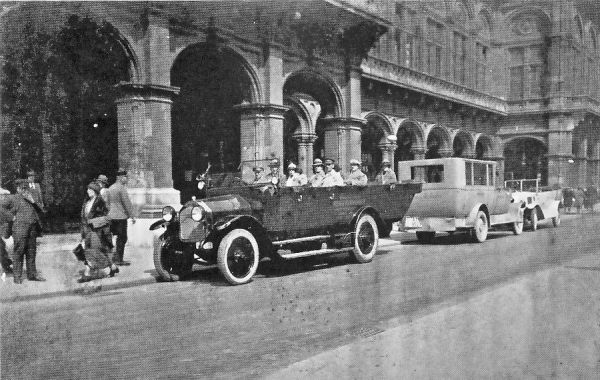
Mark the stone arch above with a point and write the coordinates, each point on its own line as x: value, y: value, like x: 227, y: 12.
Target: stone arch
x: 484, y: 25
x: 438, y: 141
x: 325, y: 92
x: 525, y: 157
x: 484, y: 147
x: 579, y: 29
x: 529, y: 20
x: 410, y: 140
x: 593, y: 38
x: 213, y: 80
x: 383, y: 121
x: 463, y: 144
x: 299, y: 126
x: 375, y: 145
x: 460, y: 11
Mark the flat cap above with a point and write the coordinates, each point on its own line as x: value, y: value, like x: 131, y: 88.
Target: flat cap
x: 317, y: 162
x: 291, y: 165
x: 354, y: 161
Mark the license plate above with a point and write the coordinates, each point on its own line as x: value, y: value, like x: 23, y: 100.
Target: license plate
x: 412, y: 222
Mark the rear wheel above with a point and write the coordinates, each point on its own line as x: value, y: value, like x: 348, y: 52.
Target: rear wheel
x: 480, y: 230
x: 366, y: 239
x: 425, y: 236
x: 238, y: 256
x: 171, y: 261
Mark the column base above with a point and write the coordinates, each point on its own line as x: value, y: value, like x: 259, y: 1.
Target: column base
x: 148, y: 204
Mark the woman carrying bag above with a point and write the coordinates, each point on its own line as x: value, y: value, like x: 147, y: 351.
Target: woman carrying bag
x: 95, y: 234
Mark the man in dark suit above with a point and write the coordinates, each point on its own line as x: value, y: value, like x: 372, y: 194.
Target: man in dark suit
x: 119, y: 210
x: 35, y: 189
x: 26, y: 228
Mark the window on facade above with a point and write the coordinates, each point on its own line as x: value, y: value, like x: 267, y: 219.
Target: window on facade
x: 481, y: 66
x: 434, y: 43
x: 407, y: 39
x: 459, y: 57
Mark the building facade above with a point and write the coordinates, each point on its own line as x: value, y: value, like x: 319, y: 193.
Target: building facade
x: 228, y: 82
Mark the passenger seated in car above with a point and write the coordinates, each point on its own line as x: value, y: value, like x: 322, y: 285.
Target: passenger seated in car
x: 317, y: 178
x: 356, y: 176
x: 294, y: 178
x: 387, y: 176
x: 332, y: 178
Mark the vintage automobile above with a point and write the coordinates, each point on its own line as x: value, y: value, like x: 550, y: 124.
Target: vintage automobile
x: 539, y: 203
x: 458, y: 194
x: 238, y: 224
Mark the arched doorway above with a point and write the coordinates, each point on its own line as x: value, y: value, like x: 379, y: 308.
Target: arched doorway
x: 205, y: 126
x: 313, y: 87
x: 526, y: 158
x: 437, y: 143
x: 462, y: 146
x: 373, y: 135
x: 408, y: 138
x: 483, y: 147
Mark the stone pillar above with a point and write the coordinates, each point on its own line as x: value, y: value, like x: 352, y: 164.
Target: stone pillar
x: 581, y: 163
x: 343, y: 138
x: 560, y: 155
x: 387, y: 151
x: 499, y: 170
x: 419, y: 154
x: 594, y: 164
x: 305, y: 151
x: 261, y: 133
x: 144, y: 128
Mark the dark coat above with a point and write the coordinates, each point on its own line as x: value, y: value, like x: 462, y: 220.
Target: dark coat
x: 95, y: 230
x: 25, y: 214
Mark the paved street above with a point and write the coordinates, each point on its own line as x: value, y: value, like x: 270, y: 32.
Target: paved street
x: 514, y: 306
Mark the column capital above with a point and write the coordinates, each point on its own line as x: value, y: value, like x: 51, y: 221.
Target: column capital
x: 344, y: 123
x: 387, y: 146
x: 445, y: 152
x: 305, y: 138
x: 261, y: 109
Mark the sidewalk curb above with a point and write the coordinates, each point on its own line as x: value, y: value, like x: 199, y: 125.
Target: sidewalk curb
x: 81, y: 290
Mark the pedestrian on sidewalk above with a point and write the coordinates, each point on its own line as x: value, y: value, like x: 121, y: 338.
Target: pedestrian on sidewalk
x: 103, y: 182
x: 120, y: 209
x: 95, y: 235
x: 6, y: 219
x: 26, y: 228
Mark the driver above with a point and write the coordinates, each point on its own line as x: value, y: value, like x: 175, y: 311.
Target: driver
x: 275, y: 174
x: 259, y: 175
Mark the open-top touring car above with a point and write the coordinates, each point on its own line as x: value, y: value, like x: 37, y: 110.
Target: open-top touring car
x: 539, y: 203
x: 238, y: 224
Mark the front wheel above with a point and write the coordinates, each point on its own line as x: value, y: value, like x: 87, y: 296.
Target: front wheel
x: 533, y: 217
x: 366, y: 239
x: 556, y: 220
x: 517, y: 227
x: 480, y: 230
x: 238, y: 256
x: 171, y: 261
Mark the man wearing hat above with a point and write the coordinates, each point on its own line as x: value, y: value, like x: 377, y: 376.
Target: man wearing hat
x: 317, y: 179
x: 119, y: 210
x: 26, y: 229
x: 332, y: 177
x: 274, y: 172
x: 356, y: 176
x: 102, y: 180
x: 387, y: 176
x: 294, y: 177
x: 259, y: 175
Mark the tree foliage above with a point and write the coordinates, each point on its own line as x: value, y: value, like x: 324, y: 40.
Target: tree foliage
x: 59, y: 108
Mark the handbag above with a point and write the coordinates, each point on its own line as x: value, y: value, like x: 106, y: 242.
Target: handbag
x: 79, y: 252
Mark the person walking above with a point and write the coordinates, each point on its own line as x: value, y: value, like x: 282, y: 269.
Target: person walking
x: 35, y: 189
x: 119, y: 210
x: 25, y: 230
x: 95, y: 234
x: 356, y: 176
x: 103, y: 182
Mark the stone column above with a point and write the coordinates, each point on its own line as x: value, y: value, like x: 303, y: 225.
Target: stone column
x: 261, y: 134
x: 343, y: 138
x: 387, y: 151
x: 305, y: 151
x: 499, y: 170
x: 419, y: 154
x: 594, y: 164
x: 560, y: 155
x: 144, y: 128
x: 581, y: 163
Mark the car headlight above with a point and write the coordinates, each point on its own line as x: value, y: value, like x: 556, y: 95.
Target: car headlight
x: 201, y: 185
x: 168, y: 213
x: 197, y: 213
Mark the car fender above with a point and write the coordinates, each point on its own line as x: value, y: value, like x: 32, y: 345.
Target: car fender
x: 470, y: 220
x: 156, y: 225
x: 246, y: 222
x: 381, y: 225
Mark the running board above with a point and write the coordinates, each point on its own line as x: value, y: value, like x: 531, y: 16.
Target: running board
x: 300, y: 240
x: 317, y: 252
